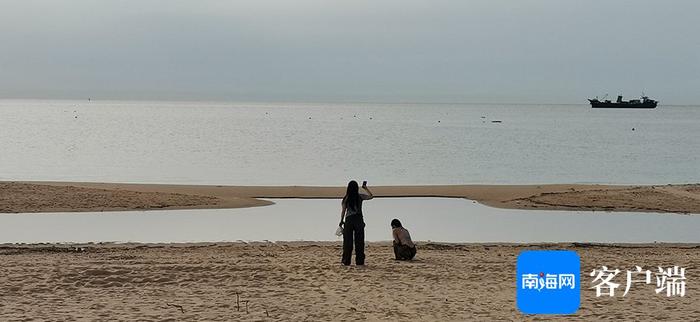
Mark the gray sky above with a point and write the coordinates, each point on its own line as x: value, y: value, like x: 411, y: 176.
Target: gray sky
x: 368, y: 50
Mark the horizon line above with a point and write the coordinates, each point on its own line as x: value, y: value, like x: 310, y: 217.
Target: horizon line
x: 272, y: 101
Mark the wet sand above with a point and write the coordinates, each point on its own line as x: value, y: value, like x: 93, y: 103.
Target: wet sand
x: 18, y: 197
x: 298, y: 281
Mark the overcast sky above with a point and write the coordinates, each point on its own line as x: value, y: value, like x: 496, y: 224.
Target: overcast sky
x: 376, y: 50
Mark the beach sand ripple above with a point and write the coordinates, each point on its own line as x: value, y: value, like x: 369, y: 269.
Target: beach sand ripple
x: 304, y: 281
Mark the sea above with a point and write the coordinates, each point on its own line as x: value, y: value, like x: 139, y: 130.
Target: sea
x: 327, y: 144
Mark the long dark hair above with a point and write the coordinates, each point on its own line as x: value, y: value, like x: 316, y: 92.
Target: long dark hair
x: 352, y: 196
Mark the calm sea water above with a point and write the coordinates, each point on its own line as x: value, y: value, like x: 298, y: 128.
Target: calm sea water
x: 327, y: 144
x: 435, y: 219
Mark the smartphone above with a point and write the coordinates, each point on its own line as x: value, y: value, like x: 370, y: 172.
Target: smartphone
x: 364, y: 183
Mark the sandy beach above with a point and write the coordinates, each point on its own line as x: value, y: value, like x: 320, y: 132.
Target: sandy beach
x: 210, y: 160
x: 304, y: 281
x: 18, y: 197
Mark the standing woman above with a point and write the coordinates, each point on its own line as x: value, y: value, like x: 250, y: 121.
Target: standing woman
x: 352, y: 222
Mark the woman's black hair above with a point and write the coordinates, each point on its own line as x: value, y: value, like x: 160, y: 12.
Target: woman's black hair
x: 352, y: 196
x: 395, y: 223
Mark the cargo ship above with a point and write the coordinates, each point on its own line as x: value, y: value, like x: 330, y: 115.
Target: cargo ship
x: 643, y: 102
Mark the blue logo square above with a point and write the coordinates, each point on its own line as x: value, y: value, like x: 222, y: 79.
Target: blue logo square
x: 548, y: 282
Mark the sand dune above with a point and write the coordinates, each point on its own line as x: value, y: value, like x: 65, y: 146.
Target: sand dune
x: 82, y: 196
x: 304, y: 281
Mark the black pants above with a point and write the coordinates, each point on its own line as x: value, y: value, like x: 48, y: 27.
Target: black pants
x: 354, y: 229
x: 403, y: 252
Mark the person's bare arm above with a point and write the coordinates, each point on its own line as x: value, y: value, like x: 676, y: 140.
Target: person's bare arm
x: 369, y: 193
x: 342, y: 213
x: 395, y: 236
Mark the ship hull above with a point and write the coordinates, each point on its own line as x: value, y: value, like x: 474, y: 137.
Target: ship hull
x: 622, y: 105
